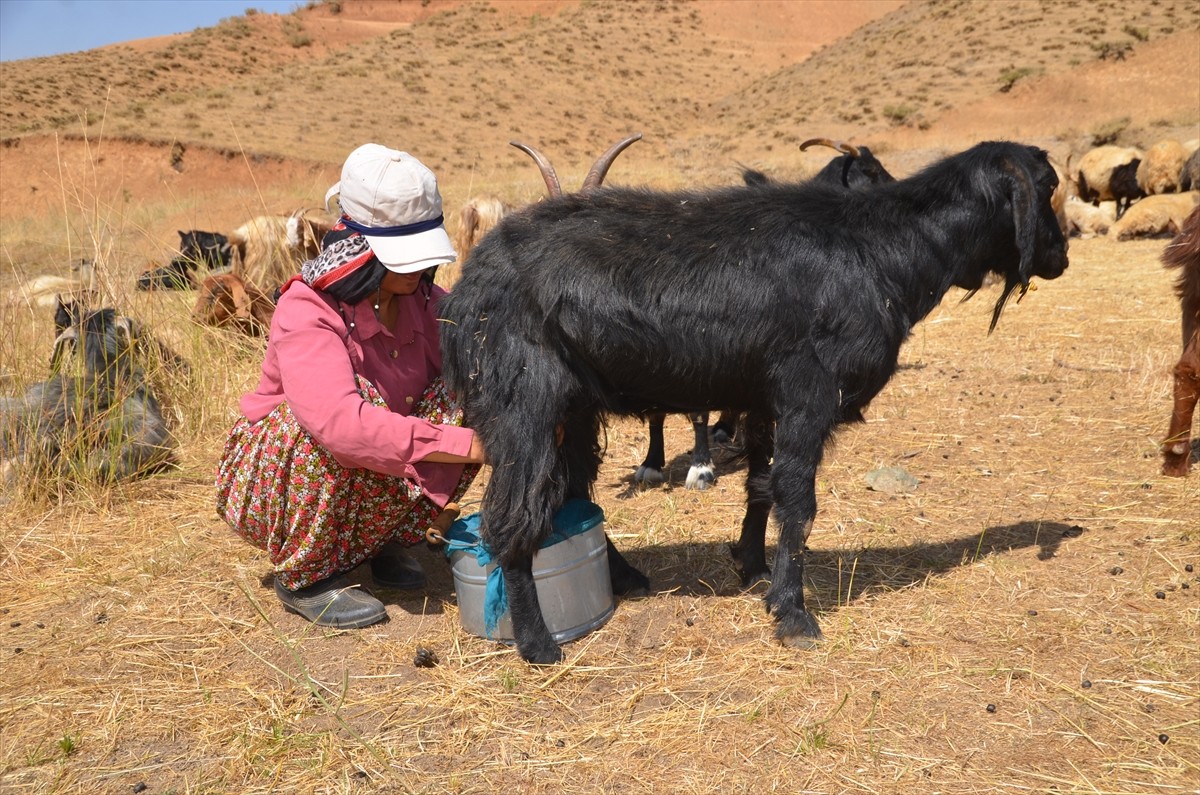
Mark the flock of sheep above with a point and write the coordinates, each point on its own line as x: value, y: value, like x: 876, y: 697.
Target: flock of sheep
x: 1124, y: 192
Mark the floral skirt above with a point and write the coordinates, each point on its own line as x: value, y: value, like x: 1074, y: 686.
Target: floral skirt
x: 287, y: 495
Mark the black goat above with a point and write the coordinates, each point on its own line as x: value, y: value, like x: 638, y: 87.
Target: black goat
x: 100, y: 421
x: 855, y: 167
x: 788, y: 302
x: 196, y: 248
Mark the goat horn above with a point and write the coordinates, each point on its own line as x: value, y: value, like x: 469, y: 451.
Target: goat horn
x: 841, y: 146
x: 595, y: 177
x: 553, y: 186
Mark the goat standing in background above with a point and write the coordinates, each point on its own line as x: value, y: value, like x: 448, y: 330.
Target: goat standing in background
x: 1184, y: 253
x: 788, y: 302
x: 97, y: 419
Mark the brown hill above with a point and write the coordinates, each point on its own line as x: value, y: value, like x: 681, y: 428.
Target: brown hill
x: 711, y: 83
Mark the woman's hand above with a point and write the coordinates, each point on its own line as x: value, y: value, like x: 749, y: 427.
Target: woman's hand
x: 474, y: 455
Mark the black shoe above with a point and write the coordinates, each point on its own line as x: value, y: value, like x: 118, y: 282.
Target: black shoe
x: 395, y: 568
x: 333, y: 602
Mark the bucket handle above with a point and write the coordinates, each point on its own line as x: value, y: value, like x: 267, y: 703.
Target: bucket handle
x: 436, y: 533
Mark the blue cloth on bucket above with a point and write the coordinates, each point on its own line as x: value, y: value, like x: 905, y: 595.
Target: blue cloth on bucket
x: 575, y: 517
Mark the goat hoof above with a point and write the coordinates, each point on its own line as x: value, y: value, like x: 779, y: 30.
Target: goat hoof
x: 799, y: 631
x: 700, y: 478
x: 648, y: 476
x: 752, y: 578
x: 630, y: 581
x: 543, y: 654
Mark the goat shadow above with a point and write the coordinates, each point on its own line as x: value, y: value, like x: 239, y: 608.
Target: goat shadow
x: 839, y: 576
x: 833, y: 576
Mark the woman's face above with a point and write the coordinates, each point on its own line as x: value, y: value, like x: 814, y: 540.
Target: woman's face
x: 401, y: 283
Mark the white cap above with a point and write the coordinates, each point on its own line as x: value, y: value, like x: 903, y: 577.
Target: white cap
x: 393, y: 201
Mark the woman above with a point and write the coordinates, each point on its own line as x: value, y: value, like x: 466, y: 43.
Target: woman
x: 350, y: 445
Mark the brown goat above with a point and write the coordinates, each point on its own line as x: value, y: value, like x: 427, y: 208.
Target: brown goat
x: 1184, y: 253
x: 227, y: 300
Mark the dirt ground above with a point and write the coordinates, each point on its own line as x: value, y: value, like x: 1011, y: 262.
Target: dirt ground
x: 1025, y: 620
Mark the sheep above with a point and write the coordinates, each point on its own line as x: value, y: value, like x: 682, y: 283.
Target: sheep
x: 226, y: 300
x: 270, y: 248
x: 98, y: 420
x: 1154, y: 215
x: 1110, y: 172
x: 45, y: 291
x: 1189, y: 175
x: 856, y: 166
x: 1160, y: 168
x: 788, y: 302
x: 1183, y: 253
x: 475, y: 219
x: 1086, y: 220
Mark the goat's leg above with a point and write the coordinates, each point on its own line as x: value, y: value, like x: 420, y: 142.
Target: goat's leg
x: 580, y: 452
x: 799, y: 442
x: 700, y: 475
x: 1177, y: 447
x: 725, y: 429
x: 650, y: 473
x: 750, y: 550
x: 534, y: 641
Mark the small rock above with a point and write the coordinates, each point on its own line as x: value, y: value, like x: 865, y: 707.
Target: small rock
x: 891, y: 480
x: 1033, y: 612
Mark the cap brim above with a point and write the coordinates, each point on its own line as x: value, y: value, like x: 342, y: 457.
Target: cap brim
x: 412, y: 253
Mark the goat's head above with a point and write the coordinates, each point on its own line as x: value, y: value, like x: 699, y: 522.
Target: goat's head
x: 105, y: 340
x: 856, y: 166
x: 595, y: 176
x: 1021, y: 180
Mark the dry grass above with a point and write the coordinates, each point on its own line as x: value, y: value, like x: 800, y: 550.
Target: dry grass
x: 140, y: 642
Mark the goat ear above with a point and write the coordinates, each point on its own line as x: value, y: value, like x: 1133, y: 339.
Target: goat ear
x: 66, y: 338
x: 1022, y: 193
x: 126, y: 330
x: 1022, y: 197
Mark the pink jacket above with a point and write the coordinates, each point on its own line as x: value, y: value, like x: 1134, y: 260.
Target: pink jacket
x: 311, y: 360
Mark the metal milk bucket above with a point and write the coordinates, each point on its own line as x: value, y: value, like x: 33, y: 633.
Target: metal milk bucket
x: 570, y: 572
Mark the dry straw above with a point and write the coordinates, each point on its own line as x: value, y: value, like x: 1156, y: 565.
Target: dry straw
x: 998, y: 629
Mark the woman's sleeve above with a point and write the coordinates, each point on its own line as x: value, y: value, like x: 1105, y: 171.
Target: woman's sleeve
x: 320, y: 388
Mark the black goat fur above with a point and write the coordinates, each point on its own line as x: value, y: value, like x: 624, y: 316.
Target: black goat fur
x: 788, y: 302
x: 842, y: 171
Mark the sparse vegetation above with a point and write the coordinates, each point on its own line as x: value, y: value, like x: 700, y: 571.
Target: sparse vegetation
x: 141, y: 645
x: 1110, y: 131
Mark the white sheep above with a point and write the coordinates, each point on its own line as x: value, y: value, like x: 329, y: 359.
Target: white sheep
x: 1160, y: 167
x: 44, y: 291
x: 270, y: 248
x: 1110, y: 172
x: 1086, y: 220
x: 1155, y: 215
